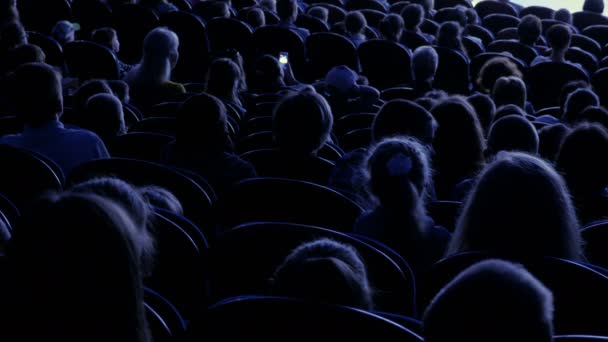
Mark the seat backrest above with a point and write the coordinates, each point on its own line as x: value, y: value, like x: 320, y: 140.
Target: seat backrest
x: 518, y: 50
x: 599, y: 33
x: 285, y: 200
x: 413, y: 40
x: 579, y: 338
x: 354, y: 5
x: 356, y: 139
x: 385, y: 64
x: 255, y: 141
x: 193, y: 46
x: 584, y: 19
x: 497, y: 22
x: 472, y: 46
x: 142, y: 146
x: 269, y: 162
x: 91, y: 15
x: 599, y: 80
x: 41, y: 16
x: 587, y: 44
x: 489, y: 7
x: 545, y: 81
x: 160, y: 125
x: 51, y: 48
x: 132, y: 36
x: 312, y: 24
x: 200, y: 236
x: 508, y: 33
x: 480, y: 32
x: 478, y: 61
x: 173, y: 325
x: 404, y: 93
x: 292, y: 319
x: 452, y: 3
x: 453, y: 72
x: 228, y: 33
x: 596, y: 240
x: 373, y: 17
x: 273, y: 40
x: 586, y: 59
x: 354, y: 121
x: 245, y: 258
x: 88, y: 60
x: 541, y: 12
x: 343, y: 52
x: 445, y: 213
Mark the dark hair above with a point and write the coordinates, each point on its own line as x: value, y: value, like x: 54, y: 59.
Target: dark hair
x: 529, y: 29
x: 559, y: 36
x: 77, y: 252
x: 550, y: 139
x: 86, y: 91
x: 202, y: 125
x: 355, y: 22
x: 104, y: 36
x: 596, y: 6
x: 493, y: 300
x: 256, y: 17
x: 287, y: 10
x: 512, y: 133
x: 449, y: 36
x: 567, y: 89
x: 502, y: 214
x: 23, y: 54
x: 494, y: 69
x: 268, y: 73
x: 324, y: 271
x: 484, y: 108
x: 509, y: 90
x: 104, y: 116
x: 576, y: 102
x: 391, y: 27
x: 37, y: 92
x: 507, y: 110
x: 302, y: 122
x: 413, y: 15
x: 223, y: 80
x: 404, y: 118
x: 563, y: 15
x: 12, y: 34
x: 594, y: 114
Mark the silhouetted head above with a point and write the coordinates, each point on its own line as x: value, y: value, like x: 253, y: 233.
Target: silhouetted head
x: 594, y: 114
x: 576, y: 102
x: 319, y: 12
x: 160, y: 56
x: 425, y: 62
x: 529, y: 29
x: 494, y: 69
x: 256, y: 17
x: 37, y: 93
x: 404, y: 118
x: 391, y: 27
x: 202, y: 125
x: 427, y: 5
x: 23, y: 54
x: 512, y: 133
x: 550, y: 139
x: 568, y: 89
x: 450, y: 36
x: 268, y: 73
x: 324, y: 271
x: 413, y: 15
x: 520, y: 207
x: 509, y: 90
x: 508, y: 110
x: 559, y: 37
x: 223, y: 80
x: 12, y: 34
x: 492, y: 300
x: 596, y: 6
x: 484, y: 108
x: 302, y: 122
x: 355, y: 22
x: 563, y: 15
x: 159, y: 197
x: 104, y: 116
x: 106, y: 36
x: 287, y: 10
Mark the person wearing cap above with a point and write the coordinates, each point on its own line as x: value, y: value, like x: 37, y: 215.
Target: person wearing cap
x: 342, y: 89
x: 65, y: 31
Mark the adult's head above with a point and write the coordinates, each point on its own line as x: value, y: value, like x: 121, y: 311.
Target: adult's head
x: 287, y: 10
x: 391, y: 27
x: 37, y: 93
x: 425, y: 62
x: 104, y: 116
x: 355, y: 22
x: 563, y: 15
x: 596, y: 6
x: 559, y: 37
x: 509, y: 90
x: 520, y: 207
x: 484, y: 108
x: 319, y: 12
x: 256, y: 17
x: 107, y: 37
x: 23, y: 54
x: 529, y: 29
x: 268, y: 74
x: 427, y: 5
x: 568, y: 89
x: 77, y: 252
x: 160, y: 56
x: 65, y: 31
x: 159, y: 197
x: 594, y: 114
x: 512, y: 133
x: 12, y: 34
x: 493, y: 300
x: 404, y: 118
x: 576, y: 102
x: 324, y: 271
x: 302, y: 122
x: 449, y: 36
x: 413, y: 15
x: 202, y: 125
x: 223, y: 80
x: 550, y: 139
x: 86, y: 91
x: 494, y: 69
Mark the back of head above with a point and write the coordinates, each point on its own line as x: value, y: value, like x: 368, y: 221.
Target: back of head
x: 595, y: 114
x: 559, y: 37
x: 302, y: 122
x: 449, y: 35
x: 520, y: 207
x: 404, y: 118
x: 529, y: 29
x: 12, y: 34
x: 595, y: 6
x: 512, y: 133
x: 391, y: 27
x: 256, y: 17
x: 88, y: 89
x: 550, y: 139
x: 92, y: 274
x: 223, y: 79
x: 413, y: 15
x: 319, y: 12
x: 507, y: 110
x: 427, y: 5
x: 217, y: 9
x: 576, y: 102
x: 37, y: 92
x: 287, y: 10
x: 120, y: 89
x: 160, y: 55
x: 159, y: 197
x: 399, y: 174
x: 104, y: 36
x: 268, y: 70
x: 491, y: 301
x: 581, y: 161
x: 324, y: 271
x: 104, y: 116
x: 23, y: 54
x: 563, y: 15
x: 456, y: 14
x: 568, y: 89
x: 202, y: 125
x: 425, y: 62
x: 484, y: 108
x: 472, y: 17
x: 509, y: 90
x: 355, y: 22
x: 494, y: 69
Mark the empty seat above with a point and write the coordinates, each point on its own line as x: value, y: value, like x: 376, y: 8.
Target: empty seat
x: 497, y: 22
x: 343, y: 52
x: 385, y: 64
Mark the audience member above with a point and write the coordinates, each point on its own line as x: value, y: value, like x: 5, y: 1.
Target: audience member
x: 413, y: 16
x: 391, y: 28
x: 318, y: 12
x: 512, y: 133
x: 509, y: 90
x: 223, y: 80
x: 256, y: 18
x: 104, y: 115
x: 161, y: 198
x: 425, y: 62
x: 107, y: 36
x: 355, y: 24
x: 450, y: 36
x: 563, y: 15
x: 550, y: 139
x: 595, y: 6
x: 288, y: 13
x: 485, y: 110
x: 494, y: 69
x: 65, y: 31
x: 159, y: 7
x: 576, y: 102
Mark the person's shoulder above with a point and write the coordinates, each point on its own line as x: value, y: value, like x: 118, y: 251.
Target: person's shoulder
x: 83, y: 134
x: 174, y: 87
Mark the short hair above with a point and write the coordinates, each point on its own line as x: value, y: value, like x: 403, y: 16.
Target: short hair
x: 88, y: 89
x: 355, y: 22
x: 391, y: 27
x: 120, y: 89
x: 302, y: 122
x: 287, y: 9
x: 550, y: 139
x: 594, y: 114
x: 567, y: 89
x: 324, y: 271
x: 563, y: 15
x: 37, y: 92
x: 223, y: 79
x: 160, y: 43
x: 23, y: 54
x: 507, y: 110
x: 404, y: 118
x: 399, y: 173
x: 576, y: 102
x: 427, y: 5
x: 413, y: 15
x: 425, y: 62
x: 559, y: 37
x: 456, y: 14
x: 512, y: 133
x: 12, y: 34
x: 104, y: 36
x: 502, y: 217
x: 319, y: 12
x: 159, y: 197
x: 596, y: 6
x: 529, y: 29
x: 105, y: 116
x: 484, y: 108
x: 256, y: 17
x: 202, y: 124
x: 217, y: 9
x: 494, y: 69
x: 509, y: 90
x: 449, y: 36
x: 493, y: 300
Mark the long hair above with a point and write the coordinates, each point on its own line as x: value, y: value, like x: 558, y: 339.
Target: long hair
x: 519, y: 207
x: 159, y: 58
x: 224, y: 79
